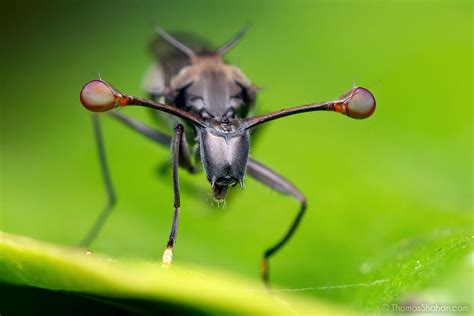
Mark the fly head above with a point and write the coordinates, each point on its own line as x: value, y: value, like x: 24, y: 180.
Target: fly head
x: 212, y: 89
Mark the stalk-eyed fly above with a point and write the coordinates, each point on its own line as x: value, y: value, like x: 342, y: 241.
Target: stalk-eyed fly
x: 208, y: 105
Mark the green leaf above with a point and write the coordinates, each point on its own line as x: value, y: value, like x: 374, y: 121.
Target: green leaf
x: 430, y: 269
x: 389, y: 215
x: 25, y: 261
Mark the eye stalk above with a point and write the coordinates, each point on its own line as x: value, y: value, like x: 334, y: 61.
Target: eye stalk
x: 358, y: 103
x: 100, y: 96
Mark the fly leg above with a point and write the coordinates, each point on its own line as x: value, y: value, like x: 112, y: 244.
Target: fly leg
x: 141, y: 128
x: 177, y: 149
x: 270, y: 178
x: 185, y: 157
x: 109, y: 188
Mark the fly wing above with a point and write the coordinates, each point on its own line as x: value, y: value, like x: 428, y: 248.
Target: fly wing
x: 169, y: 61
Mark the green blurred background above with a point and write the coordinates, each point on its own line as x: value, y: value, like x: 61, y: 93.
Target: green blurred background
x: 383, y: 193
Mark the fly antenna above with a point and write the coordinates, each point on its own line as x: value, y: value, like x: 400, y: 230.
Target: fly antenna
x: 232, y: 42
x: 175, y: 43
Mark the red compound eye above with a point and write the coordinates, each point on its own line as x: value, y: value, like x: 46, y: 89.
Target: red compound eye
x: 360, y: 103
x: 99, y: 96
